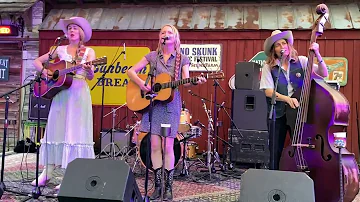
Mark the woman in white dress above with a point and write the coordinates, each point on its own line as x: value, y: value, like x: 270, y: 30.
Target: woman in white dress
x: 69, y: 130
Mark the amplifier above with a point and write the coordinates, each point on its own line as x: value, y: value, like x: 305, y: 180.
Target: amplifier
x: 121, y: 139
x: 253, y: 147
x: 33, y: 107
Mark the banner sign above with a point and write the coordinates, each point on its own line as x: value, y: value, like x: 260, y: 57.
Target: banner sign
x: 337, y: 68
x: 200, y: 55
x: 116, y: 79
x: 4, y: 68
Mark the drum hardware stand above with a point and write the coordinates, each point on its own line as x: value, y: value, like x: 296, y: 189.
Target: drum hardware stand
x: 226, y: 164
x: 185, y: 171
x: 102, y: 79
x: 127, y: 150
x: 112, y: 152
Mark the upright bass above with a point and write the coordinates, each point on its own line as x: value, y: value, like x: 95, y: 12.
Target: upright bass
x: 323, y: 111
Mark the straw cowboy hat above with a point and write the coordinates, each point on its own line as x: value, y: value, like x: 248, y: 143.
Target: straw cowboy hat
x: 275, y: 36
x: 81, y: 22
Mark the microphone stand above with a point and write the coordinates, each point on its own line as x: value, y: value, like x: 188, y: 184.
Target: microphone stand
x: 150, y: 95
x: 36, y: 192
x: 272, y: 117
x: 102, y: 78
x: 216, y: 113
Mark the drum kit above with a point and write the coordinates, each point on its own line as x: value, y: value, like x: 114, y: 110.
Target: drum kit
x: 186, y: 131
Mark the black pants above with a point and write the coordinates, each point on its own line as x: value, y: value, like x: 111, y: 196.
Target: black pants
x: 280, y: 134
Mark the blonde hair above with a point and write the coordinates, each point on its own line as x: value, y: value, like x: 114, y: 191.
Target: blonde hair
x: 81, y: 42
x: 176, y: 36
x: 271, y: 60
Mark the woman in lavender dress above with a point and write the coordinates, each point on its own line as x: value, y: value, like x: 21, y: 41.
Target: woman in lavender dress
x: 163, y: 113
x: 69, y: 130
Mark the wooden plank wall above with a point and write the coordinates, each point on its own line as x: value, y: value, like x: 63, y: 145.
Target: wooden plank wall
x: 14, y: 51
x: 237, y: 46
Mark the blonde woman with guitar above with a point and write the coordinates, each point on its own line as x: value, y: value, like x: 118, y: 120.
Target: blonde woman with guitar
x: 69, y: 130
x: 167, y: 59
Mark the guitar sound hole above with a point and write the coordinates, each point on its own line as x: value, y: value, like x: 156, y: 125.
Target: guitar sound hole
x: 56, y: 75
x: 157, y: 87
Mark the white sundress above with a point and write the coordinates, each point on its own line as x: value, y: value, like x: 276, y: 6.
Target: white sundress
x: 69, y: 129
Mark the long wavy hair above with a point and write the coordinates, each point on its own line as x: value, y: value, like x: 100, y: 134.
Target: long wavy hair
x: 176, y: 36
x: 271, y: 60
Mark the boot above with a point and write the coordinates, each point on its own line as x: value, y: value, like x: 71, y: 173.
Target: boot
x: 169, y: 176
x: 157, y: 192
x: 44, y: 177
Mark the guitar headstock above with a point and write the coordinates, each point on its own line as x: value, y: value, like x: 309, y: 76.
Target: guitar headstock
x: 319, y: 25
x: 216, y: 75
x: 100, y: 61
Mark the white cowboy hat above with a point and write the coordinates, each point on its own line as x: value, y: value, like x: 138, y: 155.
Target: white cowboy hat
x: 275, y: 36
x: 81, y: 22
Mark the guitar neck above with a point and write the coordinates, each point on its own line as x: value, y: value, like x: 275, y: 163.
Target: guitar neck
x: 174, y: 84
x: 69, y: 70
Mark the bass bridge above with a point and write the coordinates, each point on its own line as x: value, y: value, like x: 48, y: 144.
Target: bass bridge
x: 309, y: 145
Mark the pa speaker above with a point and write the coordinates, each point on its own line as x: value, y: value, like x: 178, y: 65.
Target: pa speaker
x: 249, y: 109
x: 276, y: 186
x: 247, y: 75
x: 104, y: 180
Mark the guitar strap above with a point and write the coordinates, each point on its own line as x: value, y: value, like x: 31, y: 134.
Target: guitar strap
x: 80, y: 55
x: 177, y: 66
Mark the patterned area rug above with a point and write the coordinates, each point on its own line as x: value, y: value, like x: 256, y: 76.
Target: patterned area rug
x: 197, y: 187
x: 20, y: 171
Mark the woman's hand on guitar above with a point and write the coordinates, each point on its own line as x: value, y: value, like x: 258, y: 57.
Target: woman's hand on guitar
x: 145, y: 88
x: 293, y: 102
x: 48, y: 73
x: 201, y: 79
x: 314, y: 47
x: 87, y: 66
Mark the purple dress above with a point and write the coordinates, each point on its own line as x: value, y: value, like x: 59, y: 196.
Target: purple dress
x: 164, y: 113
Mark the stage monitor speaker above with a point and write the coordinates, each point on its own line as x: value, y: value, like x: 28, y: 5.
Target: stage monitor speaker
x: 104, y: 180
x: 276, y: 186
x: 33, y: 105
x: 249, y: 109
x: 247, y: 75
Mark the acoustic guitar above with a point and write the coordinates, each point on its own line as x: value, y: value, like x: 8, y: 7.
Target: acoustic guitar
x: 62, y: 77
x: 138, y: 101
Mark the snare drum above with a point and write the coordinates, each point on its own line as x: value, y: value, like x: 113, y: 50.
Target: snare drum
x: 185, y: 124
x: 195, y: 131
x: 191, y: 149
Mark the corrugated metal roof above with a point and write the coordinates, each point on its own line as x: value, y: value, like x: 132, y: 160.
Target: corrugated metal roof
x: 344, y: 16
x: 15, y: 6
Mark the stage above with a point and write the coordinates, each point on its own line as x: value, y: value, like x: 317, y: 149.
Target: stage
x: 20, y: 171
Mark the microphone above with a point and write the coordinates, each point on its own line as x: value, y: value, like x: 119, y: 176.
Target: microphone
x: 62, y: 37
x: 183, y: 105
x: 164, y: 39
x: 124, y: 52
x: 282, y: 51
x: 321, y: 9
x: 221, y: 106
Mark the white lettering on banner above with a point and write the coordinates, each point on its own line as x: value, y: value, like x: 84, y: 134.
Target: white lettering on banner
x: 2, y: 73
x: 4, y: 62
x: 200, y: 55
